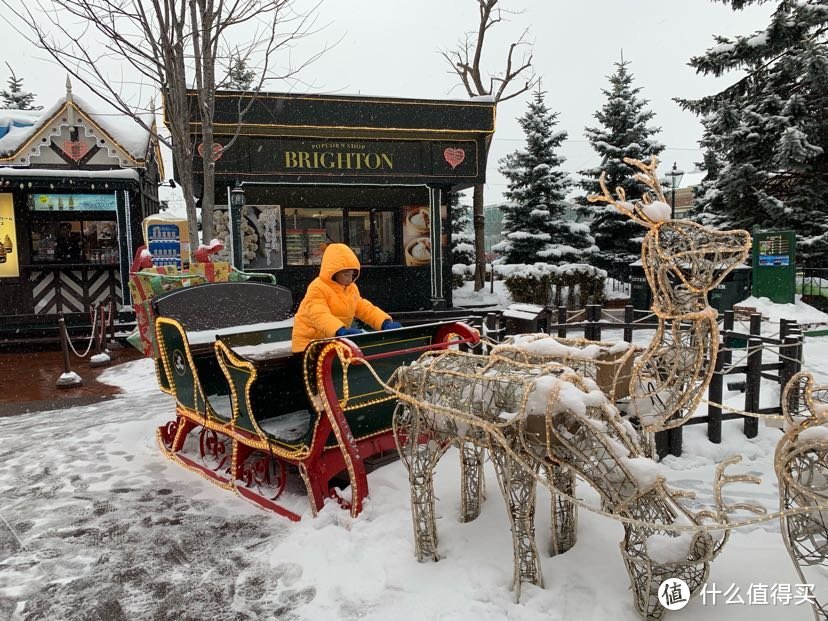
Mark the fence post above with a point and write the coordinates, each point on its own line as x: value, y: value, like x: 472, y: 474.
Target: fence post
x: 753, y: 382
x: 629, y: 319
x: 562, y: 318
x: 727, y: 326
x: 592, y: 331
x: 675, y: 440
x: 715, y: 395
x: 492, y: 330
x: 800, y: 339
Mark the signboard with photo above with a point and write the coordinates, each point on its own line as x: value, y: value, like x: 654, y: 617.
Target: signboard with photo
x: 73, y: 202
x: 416, y: 235
x: 8, y: 239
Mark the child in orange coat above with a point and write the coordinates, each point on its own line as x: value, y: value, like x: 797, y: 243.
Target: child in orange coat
x: 333, y: 300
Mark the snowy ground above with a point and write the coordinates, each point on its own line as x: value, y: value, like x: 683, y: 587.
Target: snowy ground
x: 96, y: 524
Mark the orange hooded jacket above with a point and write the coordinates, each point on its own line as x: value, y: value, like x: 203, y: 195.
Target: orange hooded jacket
x: 328, y: 306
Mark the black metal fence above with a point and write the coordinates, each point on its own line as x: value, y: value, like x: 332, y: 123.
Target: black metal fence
x: 785, y: 346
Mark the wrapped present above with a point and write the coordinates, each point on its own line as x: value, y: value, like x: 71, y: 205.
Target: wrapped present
x: 215, y: 271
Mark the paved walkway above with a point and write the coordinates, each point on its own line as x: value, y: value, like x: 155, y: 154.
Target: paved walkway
x: 27, y: 380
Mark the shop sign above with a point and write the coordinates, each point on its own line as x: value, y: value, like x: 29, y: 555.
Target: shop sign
x: 9, y: 248
x: 73, y: 202
x: 343, y: 158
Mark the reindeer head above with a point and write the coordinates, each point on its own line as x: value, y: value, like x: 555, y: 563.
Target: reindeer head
x: 683, y: 260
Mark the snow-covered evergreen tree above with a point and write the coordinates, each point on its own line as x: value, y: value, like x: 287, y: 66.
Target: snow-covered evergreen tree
x: 623, y: 132
x: 534, y: 221
x: 768, y: 130
x: 462, y: 238
x: 14, y: 97
x: 240, y: 77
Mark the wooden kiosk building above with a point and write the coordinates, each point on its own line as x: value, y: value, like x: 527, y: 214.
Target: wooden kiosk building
x: 75, y: 185
x: 369, y: 172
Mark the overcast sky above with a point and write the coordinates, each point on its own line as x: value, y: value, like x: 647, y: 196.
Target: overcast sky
x: 391, y: 48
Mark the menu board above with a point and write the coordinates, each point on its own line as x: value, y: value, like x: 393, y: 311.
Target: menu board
x: 316, y: 246
x: 417, y: 235
x: 295, y: 246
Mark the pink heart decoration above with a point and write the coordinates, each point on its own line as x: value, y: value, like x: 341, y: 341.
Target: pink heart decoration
x: 75, y: 149
x: 218, y: 151
x: 454, y: 157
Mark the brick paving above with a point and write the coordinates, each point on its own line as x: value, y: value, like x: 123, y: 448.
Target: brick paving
x: 27, y: 380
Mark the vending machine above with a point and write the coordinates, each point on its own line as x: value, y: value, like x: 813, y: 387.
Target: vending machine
x: 168, y: 241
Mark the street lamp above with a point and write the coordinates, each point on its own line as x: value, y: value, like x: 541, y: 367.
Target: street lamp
x: 237, y: 202
x: 675, y: 179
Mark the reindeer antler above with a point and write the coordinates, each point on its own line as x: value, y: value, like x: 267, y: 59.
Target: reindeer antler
x: 637, y: 210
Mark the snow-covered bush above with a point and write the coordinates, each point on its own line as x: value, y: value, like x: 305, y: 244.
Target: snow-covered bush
x: 545, y: 284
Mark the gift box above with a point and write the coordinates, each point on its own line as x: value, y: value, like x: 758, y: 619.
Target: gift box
x: 214, y: 271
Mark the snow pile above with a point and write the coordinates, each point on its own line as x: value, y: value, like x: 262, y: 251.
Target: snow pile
x: 552, y: 347
x: 800, y: 312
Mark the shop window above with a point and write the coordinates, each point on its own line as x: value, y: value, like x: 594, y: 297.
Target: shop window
x: 371, y: 234
x: 74, y: 241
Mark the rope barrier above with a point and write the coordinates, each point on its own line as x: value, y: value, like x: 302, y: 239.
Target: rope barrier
x: 91, y: 337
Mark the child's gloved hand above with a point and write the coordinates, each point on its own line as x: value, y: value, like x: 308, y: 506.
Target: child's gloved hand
x: 390, y: 324
x: 343, y: 331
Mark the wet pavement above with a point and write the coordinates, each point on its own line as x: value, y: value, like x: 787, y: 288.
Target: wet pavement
x: 28, y: 380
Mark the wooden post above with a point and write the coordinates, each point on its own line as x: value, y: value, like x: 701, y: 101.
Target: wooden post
x: 629, y: 319
x: 562, y: 319
x: 662, y: 443
x: 715, y: 394
x: 727, y: 326
x: 753, y: 382
x: 675, y: 439
x: 593, y: 315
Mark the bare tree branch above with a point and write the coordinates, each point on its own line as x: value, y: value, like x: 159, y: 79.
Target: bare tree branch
x: 465, y: 61
x: 168, y: 45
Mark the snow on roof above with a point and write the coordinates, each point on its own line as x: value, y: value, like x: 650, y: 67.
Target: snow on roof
x: 118, y: 173
x: 124, y: 131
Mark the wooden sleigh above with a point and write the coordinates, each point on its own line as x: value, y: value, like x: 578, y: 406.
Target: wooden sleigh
x: 250, y: 414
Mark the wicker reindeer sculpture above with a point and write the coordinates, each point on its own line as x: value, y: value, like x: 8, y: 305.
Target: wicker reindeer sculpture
x: 801, y: 463
x: 683, y: 261
x: 541, y: 421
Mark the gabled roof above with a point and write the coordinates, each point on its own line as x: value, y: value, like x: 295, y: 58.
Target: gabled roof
x: 19, y: 129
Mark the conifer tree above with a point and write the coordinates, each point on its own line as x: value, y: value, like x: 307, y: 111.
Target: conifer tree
x: 769, y: 128
x: 622, y: 132
x: 535, y: 220
x: 462, y: 238
x: 240, y: 76
x: 14, y: 97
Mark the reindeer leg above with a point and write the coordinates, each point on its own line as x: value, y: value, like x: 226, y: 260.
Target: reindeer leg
x: 472, y: 484
x: 564, y: 512
x: 423, y: 458
x: 519, y: 491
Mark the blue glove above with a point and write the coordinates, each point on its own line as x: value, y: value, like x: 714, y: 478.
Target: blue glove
x: 343, y: 331
x: 390, y: 324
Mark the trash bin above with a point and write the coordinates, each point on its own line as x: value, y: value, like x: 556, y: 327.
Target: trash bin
x: 641, y: 297
x: 526, y: 319
x: 732, y: 290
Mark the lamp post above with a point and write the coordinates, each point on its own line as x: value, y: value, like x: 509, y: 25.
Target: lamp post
x: 675, y: 179
x: 237, y: 202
